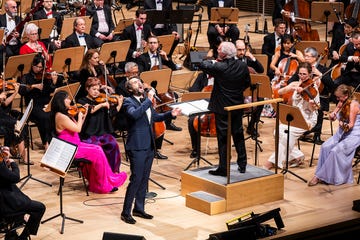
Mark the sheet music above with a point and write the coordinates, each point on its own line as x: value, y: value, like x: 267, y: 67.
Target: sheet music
x: 58, y: 156
x: 192, y: 107
x: 26, y: 115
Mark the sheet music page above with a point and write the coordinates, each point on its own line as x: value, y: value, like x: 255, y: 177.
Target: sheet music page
x: 26, y: 115
x: 191, y: 107
x: 59, y: 155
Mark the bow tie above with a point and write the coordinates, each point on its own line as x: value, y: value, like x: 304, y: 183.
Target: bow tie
x: 154, y: 55
x: 11, y: 19
x: 99, y: 8
x: 49, y: 13
x: 82, y: 36
x: 347, y: 37
x: 278, y: 39
x: 159, y: 1
x: 139, y: 28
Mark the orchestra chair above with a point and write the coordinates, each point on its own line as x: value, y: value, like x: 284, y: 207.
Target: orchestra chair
x: 356, y: 161
x: 9, y: 224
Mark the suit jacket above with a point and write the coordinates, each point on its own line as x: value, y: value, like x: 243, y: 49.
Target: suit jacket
x: 41, y: 14
x: 144, y: 63
x: 166, y: 5
x: 140, y: 130
x: 73, y: 41
x: 129, y: 33
x: 3, y: 23
x: 278, y: 6
x: 91, y: 11
x: 349, y: 51
x: 231, y: 78
x: 268, y: 46
x: 338, y: 38
x: 12, y: 200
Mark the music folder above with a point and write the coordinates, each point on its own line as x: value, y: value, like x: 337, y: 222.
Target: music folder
x: 192, y: 107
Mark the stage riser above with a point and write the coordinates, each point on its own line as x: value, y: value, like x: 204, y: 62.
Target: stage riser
x: 205, y: 202
x: 238, y: 195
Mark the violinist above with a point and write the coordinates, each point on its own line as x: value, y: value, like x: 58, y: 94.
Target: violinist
x: 351, y: 56
x: 254, y: 66
x: 39, y: 89
x: 323, y: 82
x: 99, y: 174
x: 341, y: 37
x: 287, y: 50
x: 336, y: 154
x: 307, y: 102
x: 34, y: 45
x: 9, y: 125
x: 97, y: 128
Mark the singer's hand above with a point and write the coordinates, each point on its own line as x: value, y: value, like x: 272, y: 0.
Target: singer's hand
x: 150, y: 94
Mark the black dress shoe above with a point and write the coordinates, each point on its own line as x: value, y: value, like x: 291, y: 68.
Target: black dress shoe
x: 193, y: 154
x: 242, y: 169
x: 128, y: 219
x: 172, y: 126
x: 218, y: 172
x: 142, y: 214
x: 114, y: 189
x: 158, y: 155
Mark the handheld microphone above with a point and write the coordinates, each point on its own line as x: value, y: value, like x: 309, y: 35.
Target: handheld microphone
x: 155, y: 96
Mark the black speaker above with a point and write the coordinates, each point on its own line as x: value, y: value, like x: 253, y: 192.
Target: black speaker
x: 247, y: 232
x: 196, y: 57
x: 121, y: 236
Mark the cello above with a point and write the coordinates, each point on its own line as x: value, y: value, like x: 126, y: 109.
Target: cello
x: 352, y: 10
x: 300, y: 9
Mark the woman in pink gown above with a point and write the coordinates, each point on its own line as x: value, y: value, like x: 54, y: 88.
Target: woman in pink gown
x: 100, y: 176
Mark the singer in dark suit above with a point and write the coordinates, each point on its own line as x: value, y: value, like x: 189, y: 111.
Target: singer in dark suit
x: 13, y: 201
x: 140, y: 146
x: 231, y: 78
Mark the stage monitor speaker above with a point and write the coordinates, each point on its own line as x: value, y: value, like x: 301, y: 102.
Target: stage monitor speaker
x: 247, y: 232
x: 121, y: 236
x: 196, y: 57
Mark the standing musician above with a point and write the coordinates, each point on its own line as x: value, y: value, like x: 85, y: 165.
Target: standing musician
x: 278, y: 10
x: 341, y: 37
x: 231, y: 78
x: 13, y: 201
x: 47, y: 12
x: 324, y: 83
x: 351, y: 56
x: 137, y: 33
x: 273, y: 40
x: 307, y: 103
x: 140, y: 146
x: 97, y: 128
x: 244, y: 55
x: 336, y: 154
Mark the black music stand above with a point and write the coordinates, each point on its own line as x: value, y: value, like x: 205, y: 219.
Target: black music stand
x: 291, y: 116
x: 169, y: 16
x: 23, y: 122
x: 58, y: 158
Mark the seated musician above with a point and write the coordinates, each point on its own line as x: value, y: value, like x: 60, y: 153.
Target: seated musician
x: 97, y: 128
x: 34, y: 45
x: 102, y: 26
x: 47, y: 12
x: 341, y: 37
x: 13, y: 201
x: 79, y: 37
x: 325, y: 85
x: 214, y: 31
x: 308, y: 108
x: 137, y: 33
x: 351, y: 56
x: 337, y: 153
x: 163, y: 29
x: 273, y: 40
x: 286, y: 51
x: 245, y: 55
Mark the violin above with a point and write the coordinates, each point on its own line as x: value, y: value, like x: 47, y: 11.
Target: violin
x: 309, y: 91
x: 75, y: 109
x: 111, y: 98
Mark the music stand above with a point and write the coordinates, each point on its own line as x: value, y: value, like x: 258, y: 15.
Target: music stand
x: 46, y: 26
x: 25, y: 6
x: 68, y: 26
x: 58, y: 158
x: 122, y: 24
x: 224, y: 15
x: 291, y: 116
x: 166, y: 41
x: 162, y: 77
x: 23, y: 121
x: 17, y: 64
x: 68, y: 59
x: 259, y: 87
x: 326, y: 12
x: 72, y: 89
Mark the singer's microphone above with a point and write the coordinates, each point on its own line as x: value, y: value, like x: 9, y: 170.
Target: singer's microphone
x: 155, y: 96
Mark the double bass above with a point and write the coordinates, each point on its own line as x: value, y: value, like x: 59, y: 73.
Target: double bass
x: 299, y: 10
x: 352, y: 10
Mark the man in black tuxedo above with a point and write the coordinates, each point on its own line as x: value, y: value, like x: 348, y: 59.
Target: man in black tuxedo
x: 138, y: 33
x: 47, y: 12
x: 102, y: 26
x: 272, y: 40
x: 231, y: 78
x: 163, y: 29
x: 218, y: 30
x: 13, y: 201
x: 9, y: 20
x: 341, y: 36
x: 79, y: 37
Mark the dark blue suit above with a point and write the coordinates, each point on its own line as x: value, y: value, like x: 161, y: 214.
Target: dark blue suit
x: 140, y: 149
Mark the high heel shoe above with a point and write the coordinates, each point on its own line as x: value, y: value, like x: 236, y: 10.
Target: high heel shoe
x: 313, y: 181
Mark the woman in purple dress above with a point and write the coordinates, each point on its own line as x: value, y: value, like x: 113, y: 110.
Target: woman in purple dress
x: 336, y: 154
x: 99, y: 174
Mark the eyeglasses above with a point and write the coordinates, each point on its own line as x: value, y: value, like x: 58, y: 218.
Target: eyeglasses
x: 33, y: 34
x: 38, y: 67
